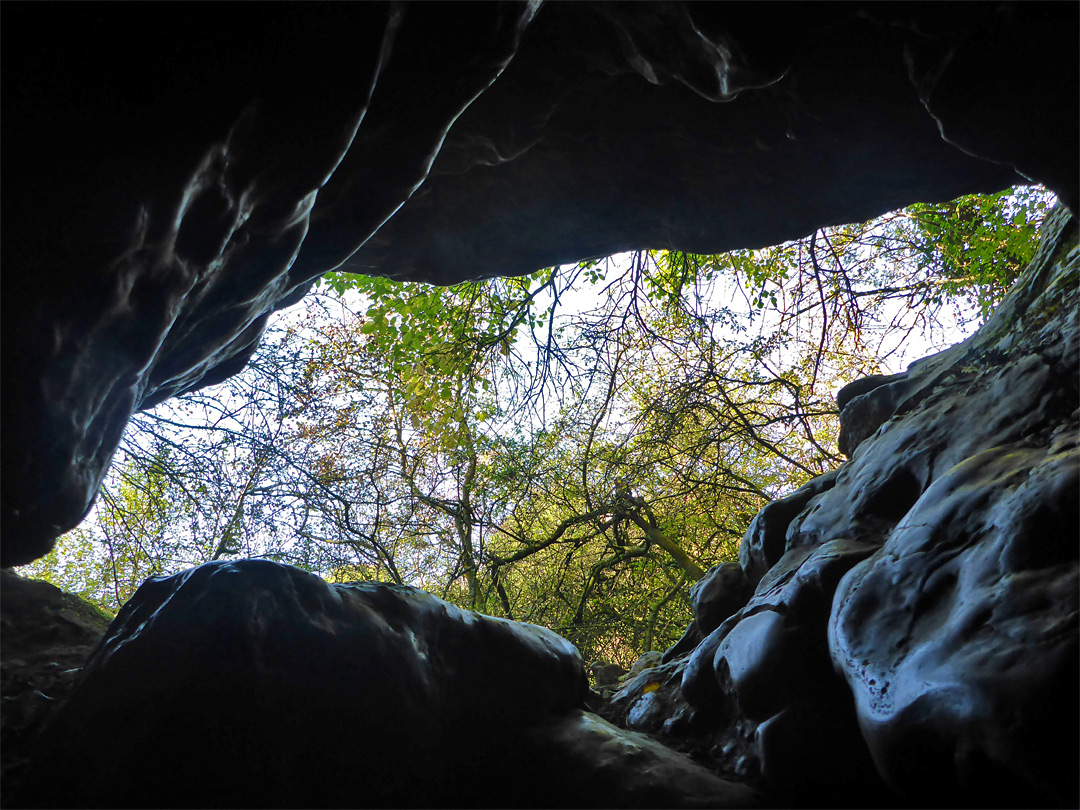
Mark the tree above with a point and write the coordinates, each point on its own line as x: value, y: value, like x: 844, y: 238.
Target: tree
x: 577, y: 466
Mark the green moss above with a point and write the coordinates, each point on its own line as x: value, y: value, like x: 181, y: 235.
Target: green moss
x: 84, y: 610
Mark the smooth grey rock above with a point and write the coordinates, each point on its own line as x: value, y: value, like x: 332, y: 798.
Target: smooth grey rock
x: 652, y: 701
x: 766, y: 538
x: 722, y: 591
x: 920, y: 623
x: 263, y: 686
x: 866, y: 405
x: 762, y: 685
x: 864, y: 385
x: 717, y: 595
x: 959, y: 638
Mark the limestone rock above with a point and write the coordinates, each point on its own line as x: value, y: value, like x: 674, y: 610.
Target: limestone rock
x: 961, y: 634
x: 652, y: 702
x: 645, y: 661
x: 716, y: 596
x: 766, y: 538
x: 865, y: 405
x: 606, y: 674
x: 965, y: 108
x: 993, y: 390
x: 959, y: 637
x: 171, y: 191
x: 766, y: 672
x: 265, y: 687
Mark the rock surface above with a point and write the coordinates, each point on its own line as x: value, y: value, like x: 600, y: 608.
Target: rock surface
x: 46, y: 636
x: 959, y: 636
x: 917, y: 618
x: 164, y: 193
x: 722, y: 591
x: 275, y: 689
x: 601, y: 765
x: 266, y: 687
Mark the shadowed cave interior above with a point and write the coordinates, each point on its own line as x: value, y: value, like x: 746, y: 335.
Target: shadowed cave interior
x: 901, y: 631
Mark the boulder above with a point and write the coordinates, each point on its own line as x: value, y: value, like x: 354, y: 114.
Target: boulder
x: 262, y: 686
x: 601, y: 765
x: 606, y: 674
x: 766, y: 539
x: 865, y: 405
x: 645, y: 661
x: 722, y: 591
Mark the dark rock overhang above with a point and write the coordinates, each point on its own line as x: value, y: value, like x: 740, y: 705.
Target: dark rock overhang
x: 165, y: 191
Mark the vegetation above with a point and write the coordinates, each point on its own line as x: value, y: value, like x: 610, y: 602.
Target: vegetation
x: 572, y: 448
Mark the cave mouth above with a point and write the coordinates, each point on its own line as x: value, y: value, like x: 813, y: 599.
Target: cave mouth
x: 406, y: 433
x: 165, y: 193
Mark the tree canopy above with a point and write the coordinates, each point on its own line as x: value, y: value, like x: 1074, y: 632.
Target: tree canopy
x: 572, y: 448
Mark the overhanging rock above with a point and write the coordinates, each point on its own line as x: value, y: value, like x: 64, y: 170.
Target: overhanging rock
x: 163, y: 193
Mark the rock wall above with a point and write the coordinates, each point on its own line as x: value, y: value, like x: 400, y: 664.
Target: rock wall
x: 164, y: 191
x: 913, y: 636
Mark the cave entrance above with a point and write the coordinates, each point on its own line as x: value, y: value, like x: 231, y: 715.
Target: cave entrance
x: 572, y: 448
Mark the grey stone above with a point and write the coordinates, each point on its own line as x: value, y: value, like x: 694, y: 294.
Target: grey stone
x: 263, y: 686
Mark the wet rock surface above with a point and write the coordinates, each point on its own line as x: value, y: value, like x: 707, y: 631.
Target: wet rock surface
x: 959, y: 636
x: 959, y: 641
x: 266, y: 687
x: 913, y: 639
x: 175, y: 189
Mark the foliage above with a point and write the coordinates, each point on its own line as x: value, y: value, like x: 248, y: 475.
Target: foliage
x: 526, y: 451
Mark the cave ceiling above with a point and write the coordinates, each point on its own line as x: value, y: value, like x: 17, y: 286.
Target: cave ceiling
x: 172, y: 174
